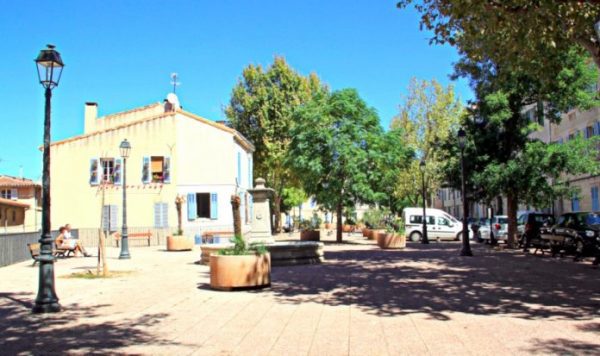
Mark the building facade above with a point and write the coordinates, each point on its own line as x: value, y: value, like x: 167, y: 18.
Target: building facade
x: 20, y: 204
x: 173, y: 153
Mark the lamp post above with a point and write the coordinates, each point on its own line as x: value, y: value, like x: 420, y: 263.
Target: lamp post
x: 425, y: 240
x: 125, y: 147
x: 49, y: 68
x: 466, y: 247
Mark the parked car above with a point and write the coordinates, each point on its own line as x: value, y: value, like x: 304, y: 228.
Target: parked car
x: 577, y: 234
x: 499, y: 229
x: 532, y: 225
x: 440, y: 225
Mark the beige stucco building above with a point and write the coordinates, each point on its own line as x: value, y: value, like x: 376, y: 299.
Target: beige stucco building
x: 20, y: 201
x: 173, y: 152
x: 573, y: 123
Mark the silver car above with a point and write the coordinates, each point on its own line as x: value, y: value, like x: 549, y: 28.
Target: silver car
x: 499, y: 229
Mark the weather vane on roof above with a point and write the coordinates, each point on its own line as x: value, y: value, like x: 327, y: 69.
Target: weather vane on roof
x: 174, y: 82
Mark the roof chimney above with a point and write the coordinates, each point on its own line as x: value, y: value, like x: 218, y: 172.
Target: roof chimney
x: 91, y: 114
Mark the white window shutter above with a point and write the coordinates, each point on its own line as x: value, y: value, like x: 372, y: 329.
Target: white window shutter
x: 14, y: 194
x: 157, y: 215
x: 105, y: 217
x: 118, y: 172
x: 165, y: 215
x: 167, y: 170
x: 114, y: 209
x: 94, y: 171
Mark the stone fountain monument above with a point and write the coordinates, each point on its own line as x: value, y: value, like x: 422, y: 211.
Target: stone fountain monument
x: 261, y: 217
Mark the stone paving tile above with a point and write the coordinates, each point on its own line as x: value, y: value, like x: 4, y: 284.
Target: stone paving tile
x: 362, y: 301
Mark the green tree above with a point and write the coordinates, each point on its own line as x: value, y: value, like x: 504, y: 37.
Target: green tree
x: 524, y: 35
x: 261, y: 108
x: 428, y: 114
x: 332, y: 149
x: 501, y: 158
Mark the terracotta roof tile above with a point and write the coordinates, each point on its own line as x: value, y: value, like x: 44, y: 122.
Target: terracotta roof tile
x: 14, y: 182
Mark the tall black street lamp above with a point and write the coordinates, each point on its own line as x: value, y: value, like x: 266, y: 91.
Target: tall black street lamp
x: 425, y: 240
x: 49, y: 67
x: 466, y: 247
x: 125, y: 147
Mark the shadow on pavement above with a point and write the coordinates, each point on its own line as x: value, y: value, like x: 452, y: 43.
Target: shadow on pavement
x: 72, y: 330
x: 434, y: 280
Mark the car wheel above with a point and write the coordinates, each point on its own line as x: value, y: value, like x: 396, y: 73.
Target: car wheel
x: 415, y: 237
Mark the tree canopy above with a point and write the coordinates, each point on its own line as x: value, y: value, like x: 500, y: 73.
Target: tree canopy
x: 261, y: 108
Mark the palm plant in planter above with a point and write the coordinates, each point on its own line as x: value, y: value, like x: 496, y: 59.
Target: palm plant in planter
x: 309, y: 229
x: 393, y: 237
x: 240, y: 266
x: 177, y: 241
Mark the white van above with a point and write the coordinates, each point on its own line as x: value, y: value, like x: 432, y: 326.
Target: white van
x: 440, y: 224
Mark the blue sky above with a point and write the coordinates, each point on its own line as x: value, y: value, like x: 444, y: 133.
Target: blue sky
x: 120, y: 54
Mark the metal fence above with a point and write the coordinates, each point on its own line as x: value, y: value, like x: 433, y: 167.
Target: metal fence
x: 13, y: 247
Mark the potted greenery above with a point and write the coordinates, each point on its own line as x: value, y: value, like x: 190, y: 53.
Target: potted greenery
x: 375, y: 221
x: 394, y: 237
x: 348, y: 225
x: 309, y: 229
x: 177, y: 241
x: 240, y: 266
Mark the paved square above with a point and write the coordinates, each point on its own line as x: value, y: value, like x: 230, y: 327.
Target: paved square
x: 362, y: 301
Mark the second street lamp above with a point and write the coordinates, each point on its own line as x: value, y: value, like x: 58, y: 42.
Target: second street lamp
x: 125, y: 147
x: 49, y: 65
x: 425, y: 240
x: 466, y: 247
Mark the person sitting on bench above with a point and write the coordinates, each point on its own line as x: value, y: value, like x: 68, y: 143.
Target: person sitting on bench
x: 74, y: 245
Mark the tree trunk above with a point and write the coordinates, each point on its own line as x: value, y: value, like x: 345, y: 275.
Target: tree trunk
x: 277, y: 213
x: 338, y: 234
x: 500, y: 208
x: 237, y: 221
x: 511, y: 207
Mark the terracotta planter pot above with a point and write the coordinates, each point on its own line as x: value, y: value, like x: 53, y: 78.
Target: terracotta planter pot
x: 374, y: 233
x: 366, y: 232
x: 328, y: 226
x: 246, y: 271
x: 310, y: 235
x: 179, y: 243
x: 347, y: 228
x: 390, y: 240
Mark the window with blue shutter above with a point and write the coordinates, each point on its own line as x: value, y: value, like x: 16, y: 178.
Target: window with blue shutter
x: 192, y: 209
x: 214, y: 207
x: 161, y: 215
x: 597, y: 128
x: 167, y: 170
x: 117, y: 173
x: 146, y: 170
x: 595, y: 201
x: 575, y: 204
x: 94, y: 176
x: 239, y: 169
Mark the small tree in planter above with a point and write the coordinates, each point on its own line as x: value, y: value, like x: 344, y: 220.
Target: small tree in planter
x: 394, y: 236
x: 177, y: 241
x: 309, y: 229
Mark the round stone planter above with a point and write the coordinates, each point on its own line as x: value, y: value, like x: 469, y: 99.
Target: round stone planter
x: 240, y: 272
x: 387, y: 240
x: 179, y: 243
x: 310, y: 235
x: 374, y: 233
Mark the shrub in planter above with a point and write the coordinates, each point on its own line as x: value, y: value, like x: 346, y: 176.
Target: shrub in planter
x: 394, y: 237
x: 309, y: 229
x: 240, y: 266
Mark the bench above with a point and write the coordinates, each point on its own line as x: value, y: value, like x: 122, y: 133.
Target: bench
x: 34, y: 251
x: 135, y: 236
x: 208, y: 236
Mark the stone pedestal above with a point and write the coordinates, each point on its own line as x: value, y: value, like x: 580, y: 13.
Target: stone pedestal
x: 261, y: 218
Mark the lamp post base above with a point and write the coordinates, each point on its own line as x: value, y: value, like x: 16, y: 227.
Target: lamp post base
x: 124, y: 256
x: 49, y: 307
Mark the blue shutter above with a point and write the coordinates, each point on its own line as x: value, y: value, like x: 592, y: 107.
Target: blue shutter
x: 191, y: 206
x: 105, y: 217
x: 117, y: 173
x: 157, y: 215
x: 146, y: 170
x: 214, y: 208
x: 249, y: 171
x: 239, y: 169
x: 113, y: 217
x: 167, y: 170
x: 597, y: 128
x: 94, y: 176
x: 595, y: 202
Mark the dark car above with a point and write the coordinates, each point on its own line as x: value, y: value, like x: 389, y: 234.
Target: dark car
x: 531, y: 226
x: 577, y: 234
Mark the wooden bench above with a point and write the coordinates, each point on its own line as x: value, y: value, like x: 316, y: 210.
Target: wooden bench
x: 34, y: 251
x: 135, y: 236
x: 208, y: 236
